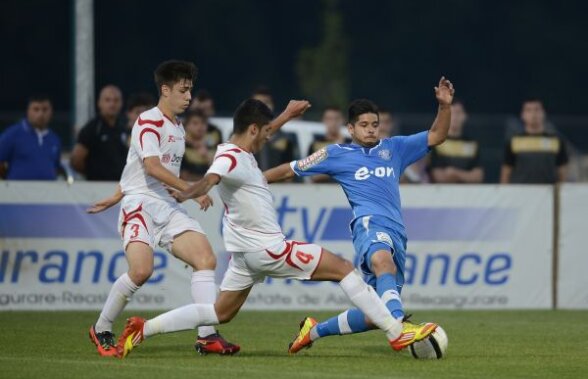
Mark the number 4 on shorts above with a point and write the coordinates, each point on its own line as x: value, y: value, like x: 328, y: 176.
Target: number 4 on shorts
x: 303, y: 257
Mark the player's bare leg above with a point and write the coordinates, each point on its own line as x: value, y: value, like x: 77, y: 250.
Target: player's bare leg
x: 140, y: 260
x: 194, y: 249
x: 334, y: 268
x: 187, y: 317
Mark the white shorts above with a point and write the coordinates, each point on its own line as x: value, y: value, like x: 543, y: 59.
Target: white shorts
x: 289, y: 260
x: 153, y: 221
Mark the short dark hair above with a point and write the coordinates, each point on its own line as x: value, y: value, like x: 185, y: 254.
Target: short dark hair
x: 173, y: 71
x: 140, y: 99
x: 251, y: 111
x: 194, y: 113
x: 359, y: 107
x: 203, y: 95
x: 38, y: 98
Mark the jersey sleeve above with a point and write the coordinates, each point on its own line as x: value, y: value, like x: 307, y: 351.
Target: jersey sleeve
x: 509, y: 156
x: 146, y: 141
x: 319, y: 162
x: 412, y: 147
x: 58, y: 153
x: 435, y: 161
x: 476, y: 160
x: 86, y: 136
x: 562, y: 155
x: 6, y: 146
x: 224, y: 165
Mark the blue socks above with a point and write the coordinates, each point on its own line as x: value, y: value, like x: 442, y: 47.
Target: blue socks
x: 348, y: 322
x: 353, y: 320
x: 388, y: 291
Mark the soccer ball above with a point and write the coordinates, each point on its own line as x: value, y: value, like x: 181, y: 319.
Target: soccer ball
x: 432, y: 347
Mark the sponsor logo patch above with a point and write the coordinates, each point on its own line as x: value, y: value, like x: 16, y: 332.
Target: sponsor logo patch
x: 313, y: 159
x: 165, y: 158
x: 385, y: 154
x: 172, y: 138
x: 384, y: 237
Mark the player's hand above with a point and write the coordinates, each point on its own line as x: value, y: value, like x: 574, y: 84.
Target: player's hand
x: 179, y: 196
x: 444, y: 91
x: 296, y: 108
x: 205, y: 202
x: 103, y: 205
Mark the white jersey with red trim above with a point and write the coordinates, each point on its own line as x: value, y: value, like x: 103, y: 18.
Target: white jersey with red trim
x: 250, y: 223
x: 153, y: 135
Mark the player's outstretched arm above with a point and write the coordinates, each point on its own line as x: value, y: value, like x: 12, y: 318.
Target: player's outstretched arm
x: 197, y: 189
x: 104, y: 204
x: 295, y: 108
x: 444, y: 93
x: 154, y: 168
x: 279, y: 173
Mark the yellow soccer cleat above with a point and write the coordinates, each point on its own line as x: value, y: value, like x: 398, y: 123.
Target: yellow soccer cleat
x: 131, y: 336
x: 412, y: 333
x: 302, y: 340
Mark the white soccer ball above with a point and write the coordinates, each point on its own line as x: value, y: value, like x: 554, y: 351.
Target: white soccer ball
x: 432, y: 347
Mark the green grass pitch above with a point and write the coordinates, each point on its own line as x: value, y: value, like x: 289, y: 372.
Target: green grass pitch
x: 500, y: 344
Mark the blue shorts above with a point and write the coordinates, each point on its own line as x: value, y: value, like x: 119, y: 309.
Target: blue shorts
x: 373, y: 233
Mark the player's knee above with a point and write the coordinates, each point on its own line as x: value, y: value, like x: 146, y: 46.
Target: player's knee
x: 140, y: 275
x: 383, y: 263
x: 204, y: 261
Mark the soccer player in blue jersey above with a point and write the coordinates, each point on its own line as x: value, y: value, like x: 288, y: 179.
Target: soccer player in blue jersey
x: 369, y: 170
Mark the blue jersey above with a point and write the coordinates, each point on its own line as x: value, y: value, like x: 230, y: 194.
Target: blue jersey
x: 30, y: 155
x: 369, y: 176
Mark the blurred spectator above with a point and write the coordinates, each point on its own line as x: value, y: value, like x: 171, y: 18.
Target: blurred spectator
x: 200, y: 146
x: 138, y: 103
x: 282, y: 146
x: 263, y: 94
x: 387, y: 126
x: 29, y: 150
x: 457, y: 160
x: 333, y: 121
x: 204, y: 103
x: 101, y: 150
x: 416, y: 172
x: 535, y: 155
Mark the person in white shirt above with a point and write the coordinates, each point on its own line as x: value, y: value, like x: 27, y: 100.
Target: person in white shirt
x: 252, y: 234
x: 151, y: 217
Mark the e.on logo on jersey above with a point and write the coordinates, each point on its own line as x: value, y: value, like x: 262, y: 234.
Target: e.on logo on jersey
x: 380, y: 172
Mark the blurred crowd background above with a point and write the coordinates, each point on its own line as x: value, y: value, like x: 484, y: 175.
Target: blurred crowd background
x: 518, y: 68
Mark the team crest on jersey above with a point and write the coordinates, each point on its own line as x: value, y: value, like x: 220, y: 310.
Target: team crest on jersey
x: 165, y: 158
x: 313, y: 159
x: 385, y: 154
x: 384, y: 237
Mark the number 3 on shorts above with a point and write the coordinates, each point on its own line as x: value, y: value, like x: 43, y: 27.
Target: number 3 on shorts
x: 135, y: 229
x: 303, y: 257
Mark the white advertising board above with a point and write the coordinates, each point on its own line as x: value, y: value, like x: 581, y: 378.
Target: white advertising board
x: 572, y: 291
x: 470, y: 247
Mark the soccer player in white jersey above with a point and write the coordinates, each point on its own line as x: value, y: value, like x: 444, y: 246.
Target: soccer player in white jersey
x: 252, y: 234
x: 150, y: 216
